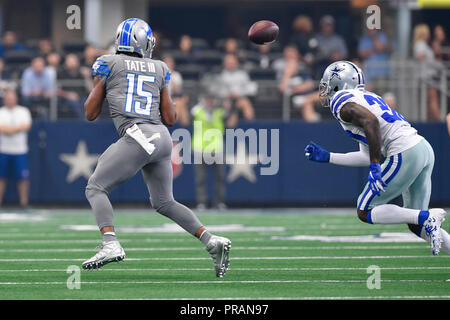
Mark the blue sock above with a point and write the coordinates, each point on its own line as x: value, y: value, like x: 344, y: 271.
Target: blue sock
x: 423, y: 216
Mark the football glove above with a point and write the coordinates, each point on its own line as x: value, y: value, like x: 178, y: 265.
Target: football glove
x: 314, y: 152
x: 376, y: 183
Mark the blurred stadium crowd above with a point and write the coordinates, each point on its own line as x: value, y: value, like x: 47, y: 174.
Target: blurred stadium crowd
x: 251, y: 79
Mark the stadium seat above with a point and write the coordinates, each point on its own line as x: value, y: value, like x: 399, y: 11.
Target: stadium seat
x: 74, y: 45
x: 199, y: 44
x: 209, y: 58
x: 166, y: 44
x: 17, y: 57
x: 262, y: 74
x: 191, y: 71
x: 220, y: 44
x: 179, y: 57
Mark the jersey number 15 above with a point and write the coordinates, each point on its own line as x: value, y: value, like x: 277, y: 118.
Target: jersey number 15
x: 136, y: 86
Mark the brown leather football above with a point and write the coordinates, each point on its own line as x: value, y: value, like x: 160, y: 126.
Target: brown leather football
x: 263, y: 32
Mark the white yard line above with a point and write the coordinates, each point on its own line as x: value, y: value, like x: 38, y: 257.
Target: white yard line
x: 238, y: 258
x: 233, y: 269
x: 262, y: 248
x: 214, y: 282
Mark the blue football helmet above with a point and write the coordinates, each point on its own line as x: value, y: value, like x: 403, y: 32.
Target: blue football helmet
x: 135, y: 35
x: 337, y: 76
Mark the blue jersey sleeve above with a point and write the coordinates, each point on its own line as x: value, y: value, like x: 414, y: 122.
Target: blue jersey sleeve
x: 101, y: 68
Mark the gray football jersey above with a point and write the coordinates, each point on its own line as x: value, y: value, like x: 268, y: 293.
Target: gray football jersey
x: 133, y: 86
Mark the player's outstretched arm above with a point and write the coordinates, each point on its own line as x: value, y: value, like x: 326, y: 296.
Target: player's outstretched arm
x: 316, y: 153
x: 93, y: 104
x: 168, y: 113
x: 363, y: 118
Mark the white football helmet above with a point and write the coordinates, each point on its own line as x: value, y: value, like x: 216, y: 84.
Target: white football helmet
x: 337, y: 76
x: 135, y: 35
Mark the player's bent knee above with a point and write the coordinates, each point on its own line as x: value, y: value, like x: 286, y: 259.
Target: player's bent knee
x: 362, y: 215
x: 162, y: 207
x: 92, y: 190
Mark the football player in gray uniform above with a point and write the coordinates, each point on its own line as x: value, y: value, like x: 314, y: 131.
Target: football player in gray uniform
x: 136, y: 89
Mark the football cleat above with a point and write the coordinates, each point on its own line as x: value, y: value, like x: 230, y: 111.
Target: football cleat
x: 432, y: 227
x: 110, y: 251
x: 219, y: 249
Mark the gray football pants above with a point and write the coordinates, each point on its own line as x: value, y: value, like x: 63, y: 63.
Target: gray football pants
x: 121, y: 161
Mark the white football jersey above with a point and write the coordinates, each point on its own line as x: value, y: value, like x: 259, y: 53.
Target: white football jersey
x: 397, y: 135
x: 16, y: 143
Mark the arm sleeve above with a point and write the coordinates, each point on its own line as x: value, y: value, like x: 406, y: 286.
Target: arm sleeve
x: 101, y: 68
x: 359, y: 158
x: 165, y: 76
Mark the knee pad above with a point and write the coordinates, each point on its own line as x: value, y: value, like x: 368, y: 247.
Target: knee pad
x: 162, y: 206
x: 92, y: 189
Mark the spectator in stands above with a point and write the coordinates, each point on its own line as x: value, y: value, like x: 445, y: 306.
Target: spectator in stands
x: 331, y: 47
x: 10, y: 43
x: 53, y: 64
x: 295, y: 80
x: 45, y: 47
x: 5, y: 80
x: 441, y: 46
x: 15, y: 122
x: 427, y: 68
x: 73, y: 88
x: 236, y: 86
x: 37, y: 86
x: 263, y: 56
x: 176, y: 91
x: 231, y: 46
x: 373, y: 49
x: 185, y: 44
x: 211, y: 113
x: 90, y: 54
x: 304, y: 38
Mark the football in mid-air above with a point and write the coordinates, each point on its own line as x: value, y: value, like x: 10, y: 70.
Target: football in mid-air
x: 263, y: 32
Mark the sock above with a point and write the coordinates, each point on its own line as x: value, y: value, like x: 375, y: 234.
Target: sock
x: 109, y: 236
x: 393, y: 214
x: 205, y: 236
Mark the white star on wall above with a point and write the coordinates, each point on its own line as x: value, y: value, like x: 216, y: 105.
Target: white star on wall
x: 243, y: 165
x: 81, y: 163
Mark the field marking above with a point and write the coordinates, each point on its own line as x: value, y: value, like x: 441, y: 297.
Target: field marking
x: 263, y: 248
x: 122, y: 240
x: 217, y: 282
x: 233, y: 269
x: 234, y: 258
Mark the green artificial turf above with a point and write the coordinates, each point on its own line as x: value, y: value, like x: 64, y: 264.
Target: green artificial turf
x: 35, y: 254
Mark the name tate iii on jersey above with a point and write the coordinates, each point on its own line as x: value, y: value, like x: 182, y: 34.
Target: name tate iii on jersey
x: 136, y: 89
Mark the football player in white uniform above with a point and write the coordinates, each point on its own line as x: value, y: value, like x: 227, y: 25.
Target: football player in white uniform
x: 382, y: 131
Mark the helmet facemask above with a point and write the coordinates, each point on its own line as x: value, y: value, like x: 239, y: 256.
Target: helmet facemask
x: 324, y: 90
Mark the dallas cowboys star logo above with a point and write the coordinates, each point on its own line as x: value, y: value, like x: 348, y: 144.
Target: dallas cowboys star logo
x: 335, y: 73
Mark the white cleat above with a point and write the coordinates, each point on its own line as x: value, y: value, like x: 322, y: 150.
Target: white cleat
x: 219, y: 249
x: 110, y: 251
x: 432, y: 227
